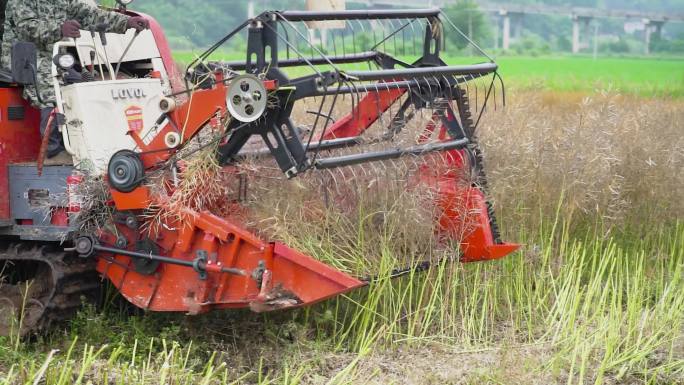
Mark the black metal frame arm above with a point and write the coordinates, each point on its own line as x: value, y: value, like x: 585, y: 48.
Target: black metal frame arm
x: 411, y: 73
x: 350, y: 160
x: 359, y: 14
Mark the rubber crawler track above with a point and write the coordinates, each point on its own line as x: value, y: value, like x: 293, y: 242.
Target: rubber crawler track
x: 60, y: 286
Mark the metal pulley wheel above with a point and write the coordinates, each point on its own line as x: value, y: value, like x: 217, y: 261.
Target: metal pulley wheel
x: 125, y: 171
x: 246, y: 98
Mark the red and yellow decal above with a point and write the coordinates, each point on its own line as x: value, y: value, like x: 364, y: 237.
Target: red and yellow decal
x: 134, y: 115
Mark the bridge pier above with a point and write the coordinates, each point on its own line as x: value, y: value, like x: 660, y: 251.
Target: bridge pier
x: 250, y: 9
x: 506, y: 42
x: 577, y: 23
x: 651, y: 27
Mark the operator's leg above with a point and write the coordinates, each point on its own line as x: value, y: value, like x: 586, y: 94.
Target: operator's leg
x: 55, y: 144
x: 46, y: 103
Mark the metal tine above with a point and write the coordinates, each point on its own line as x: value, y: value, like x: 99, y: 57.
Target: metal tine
x: 380, y: 120
x: 399, y: 103
x: 434, y: 90
x: 304, y: 38
x: 427, y: 83
x: 437, y: 107
x: 372, y: 169
x: 353, y: 31
x: 312, y: 39
x: 332, y: 179
x: 434, y: 96
x: 388, y: 32
x: 484, y: 88
x: 409, y: 114
x: 315, y: 125
x: 334, y: 43
x: 484, y: 104
x: 467, y: 87
x: 429, y: 24
x: 503, y: 88
x: 413, y: 36
x: 328, y: 119
x: 321, y: 44
x: 411, y: 94
x: 421, y: 109
x: 389, y: 109
x: 342, y: 33
x: 331, y: 173
x: 443, y: 38
x: 469, y: 40
x: 363, y: 30
x: 356, y: 92
x: 354, y: 102
x: 494, y: 90
x: 323, y: 187
x: 381, y: 26
x: 450, y: 99
x: 483, y: 92
x: 476, y: 87
x: 421, y: 121
x: 480, y: 93
x: 287, y: 47
x: 403, y: 40
x: 352, y: 171
x: 394, y: 36
x: 297, y: 42
x: 299, y: 53
x: 383, y: 168
x: 467, y: 84
x: 343, y: 177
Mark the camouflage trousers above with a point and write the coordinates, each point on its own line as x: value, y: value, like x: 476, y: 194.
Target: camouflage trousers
x: 44, y: 85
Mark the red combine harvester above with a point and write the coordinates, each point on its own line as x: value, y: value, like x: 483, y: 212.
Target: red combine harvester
x: 130, y: 113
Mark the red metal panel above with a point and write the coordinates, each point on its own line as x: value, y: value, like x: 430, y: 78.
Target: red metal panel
x: 19, y: 140
x: 366, y: 112
x: 312, y: 280
x: 290, y: 278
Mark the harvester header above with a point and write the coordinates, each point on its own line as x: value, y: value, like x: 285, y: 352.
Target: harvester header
x: 373, y: 93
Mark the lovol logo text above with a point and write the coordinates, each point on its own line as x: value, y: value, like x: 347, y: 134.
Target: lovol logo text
x: 128, y: 93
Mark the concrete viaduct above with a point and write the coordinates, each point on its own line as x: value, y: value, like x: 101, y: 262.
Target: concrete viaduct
x: 581, y: 17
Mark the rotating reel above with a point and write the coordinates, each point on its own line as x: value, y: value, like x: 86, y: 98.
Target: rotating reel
x: 246, y: 99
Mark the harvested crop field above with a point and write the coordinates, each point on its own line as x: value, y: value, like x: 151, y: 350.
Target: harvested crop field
x: 590, y: 183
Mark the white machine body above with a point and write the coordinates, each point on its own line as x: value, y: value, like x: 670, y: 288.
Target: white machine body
x: 143, y: 49
x: 100, y: 115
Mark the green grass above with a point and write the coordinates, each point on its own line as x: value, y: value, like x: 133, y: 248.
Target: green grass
x: 646, y: 77
x: 577, y: 305
x: 572, y: 311
x: 641, y: 76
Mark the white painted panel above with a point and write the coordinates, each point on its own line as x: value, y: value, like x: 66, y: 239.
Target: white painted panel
x: 97, y: 122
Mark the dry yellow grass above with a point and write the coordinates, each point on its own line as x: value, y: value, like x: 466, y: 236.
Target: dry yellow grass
x: 603, y: 159
x: 608, y: 156
x: 589, y: 310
